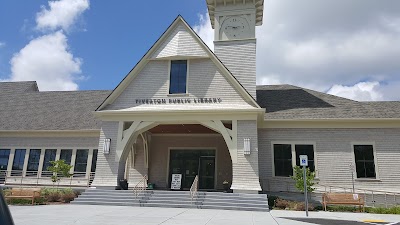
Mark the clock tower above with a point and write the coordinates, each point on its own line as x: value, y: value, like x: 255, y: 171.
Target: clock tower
x: 234, y: 23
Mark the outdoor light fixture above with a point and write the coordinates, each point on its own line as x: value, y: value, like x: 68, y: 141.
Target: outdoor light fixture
x: 106, y: 146
x: 246, y: 147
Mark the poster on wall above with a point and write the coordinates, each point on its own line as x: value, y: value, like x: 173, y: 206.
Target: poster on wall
x: 176, y: 181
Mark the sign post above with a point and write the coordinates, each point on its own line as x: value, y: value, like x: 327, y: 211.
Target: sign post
x: 352, y: 175
x: 304, y: 163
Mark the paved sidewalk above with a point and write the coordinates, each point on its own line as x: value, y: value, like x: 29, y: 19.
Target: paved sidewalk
x: 333, y: 218
x: 121, y: 215
x: 127, y: 215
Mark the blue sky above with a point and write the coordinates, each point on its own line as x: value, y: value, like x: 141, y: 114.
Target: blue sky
x: 345, y: 48
x: 109, y: 38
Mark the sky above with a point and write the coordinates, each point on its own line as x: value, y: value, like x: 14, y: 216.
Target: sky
x: 346, y: 48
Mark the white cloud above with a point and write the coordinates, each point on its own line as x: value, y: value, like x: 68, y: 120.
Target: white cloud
x: 47, y: 60
x: 205, y: 31
x: 363, y: 91
x: 2, y: 44
x: 319, y: 44
x: 62, y: 14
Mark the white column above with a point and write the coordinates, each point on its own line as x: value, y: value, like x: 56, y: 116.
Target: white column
x: 25, y: 162
x: 73, y: 158
x: 89, y: 163
x: 41, y: 160
x: 10, y: 161
x: 58, y: 153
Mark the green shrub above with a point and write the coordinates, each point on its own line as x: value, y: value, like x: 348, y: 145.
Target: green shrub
x: 22, y: 201
x: 53, y: 197
x: 281, y: 203
x: 301, y: 206
x: 381, y: 210
x: 342, y: 208
x: 271, y: 201
x: 68, y: 197
x: 298, y: 178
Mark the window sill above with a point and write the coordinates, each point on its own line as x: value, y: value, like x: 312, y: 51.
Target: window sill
x: 178, y: 95
x: 367, y: 180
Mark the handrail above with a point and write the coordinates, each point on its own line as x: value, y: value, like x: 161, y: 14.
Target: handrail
x: 141, y: 186
x: 43, y: 178
x: 365, y: 192
x: 336, y: 188
x: 194, y: 188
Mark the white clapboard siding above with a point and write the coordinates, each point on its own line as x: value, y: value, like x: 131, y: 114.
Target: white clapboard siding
x: 240, y: 58
x: 204, y: 81
x: 334, y: 154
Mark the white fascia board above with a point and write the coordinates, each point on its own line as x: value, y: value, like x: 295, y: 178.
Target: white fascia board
x: 49, y: 133
x: 180, y: 115
x: 333, y: 123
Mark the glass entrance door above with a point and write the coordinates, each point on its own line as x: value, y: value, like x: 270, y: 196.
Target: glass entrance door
x: 206, y: 172
x: 190, y: 163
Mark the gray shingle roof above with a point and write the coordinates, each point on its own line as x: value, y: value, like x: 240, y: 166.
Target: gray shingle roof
x: 18, y: 87
x: 55, y: 110
x: 291, y: 102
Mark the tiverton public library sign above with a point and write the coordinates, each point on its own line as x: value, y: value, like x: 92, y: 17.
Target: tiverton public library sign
x: 159, y: 101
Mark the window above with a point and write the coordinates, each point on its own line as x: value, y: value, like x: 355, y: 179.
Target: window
x: 305, y: 150
x: 33, y: 162
x: 66, y: 155
x: 283, y: 160
x: 287, y: 156
x: 178, y: 76
x: 365, y: 161
x: 4, y: 154
x: 49, y: 155
x: 81, y: 161
x: 18, y: 164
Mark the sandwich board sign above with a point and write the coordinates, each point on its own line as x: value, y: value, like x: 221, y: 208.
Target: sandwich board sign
x: 176, y: 181
x: 303, y: 160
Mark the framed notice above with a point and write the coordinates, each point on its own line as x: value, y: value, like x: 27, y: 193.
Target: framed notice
x: 176, y: 181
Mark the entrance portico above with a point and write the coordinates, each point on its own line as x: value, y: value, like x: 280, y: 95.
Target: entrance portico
x: 188, y: 143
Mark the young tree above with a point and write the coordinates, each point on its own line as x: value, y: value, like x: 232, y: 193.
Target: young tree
x: 298, y: 177
x: 59, y: 169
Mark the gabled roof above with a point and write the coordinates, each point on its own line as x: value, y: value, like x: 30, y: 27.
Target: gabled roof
x: 18, y: 87
x: 287, y: 102
x: 143, y: 61
x: 53, y: 110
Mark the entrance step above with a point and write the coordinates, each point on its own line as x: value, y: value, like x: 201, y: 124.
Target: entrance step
x: 174, y: 199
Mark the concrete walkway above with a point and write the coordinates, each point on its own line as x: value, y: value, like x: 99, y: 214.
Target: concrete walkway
x: 121, y: 215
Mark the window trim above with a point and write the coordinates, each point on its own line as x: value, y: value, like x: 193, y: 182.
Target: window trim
x: 187, y: 79
x: 293, y: 144
x: 353, y: 157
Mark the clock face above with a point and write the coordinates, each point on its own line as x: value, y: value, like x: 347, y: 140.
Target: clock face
x: 235, y: 27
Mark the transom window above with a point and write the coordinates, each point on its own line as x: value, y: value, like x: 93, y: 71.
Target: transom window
x: 365, y: 161
x: 178, y: 77
x: 287, y: 156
